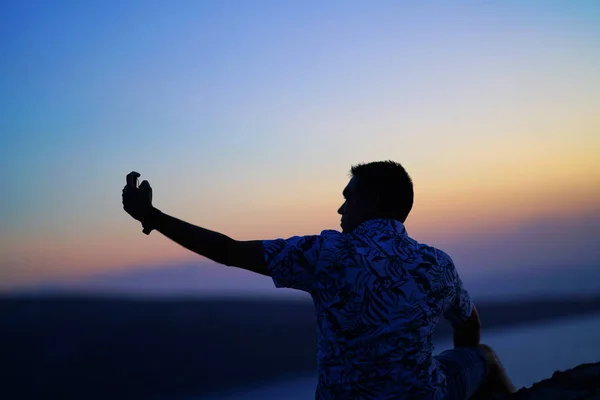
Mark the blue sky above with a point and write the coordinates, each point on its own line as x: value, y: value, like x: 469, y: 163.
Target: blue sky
x: 246, y: 116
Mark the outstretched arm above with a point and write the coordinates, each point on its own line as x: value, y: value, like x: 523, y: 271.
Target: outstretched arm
x: 137, y: 202
x: 216, y: 246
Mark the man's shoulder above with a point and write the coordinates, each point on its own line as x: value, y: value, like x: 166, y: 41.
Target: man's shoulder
x: 330, y: 237
x: 439, y: 255
x: 331, y: 233
x: 443, y: 256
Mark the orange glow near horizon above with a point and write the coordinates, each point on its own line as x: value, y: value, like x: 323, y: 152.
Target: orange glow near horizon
x: 459, y: 215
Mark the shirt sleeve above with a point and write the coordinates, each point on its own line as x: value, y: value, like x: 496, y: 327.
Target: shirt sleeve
x: 460, y: 306
x: 291, y: 262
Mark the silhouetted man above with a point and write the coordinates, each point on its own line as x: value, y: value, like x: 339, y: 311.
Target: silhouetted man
x: 378, y: 293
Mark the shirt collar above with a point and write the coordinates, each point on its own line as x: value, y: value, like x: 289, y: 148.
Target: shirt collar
x: 381, y: 225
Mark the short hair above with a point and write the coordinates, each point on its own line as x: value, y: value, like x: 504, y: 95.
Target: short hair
x: 389, y: 181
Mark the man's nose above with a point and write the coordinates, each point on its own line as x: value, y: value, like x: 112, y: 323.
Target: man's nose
x: 341, y: 209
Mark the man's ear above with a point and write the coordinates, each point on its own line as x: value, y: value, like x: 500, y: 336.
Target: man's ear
x: 374, y: 203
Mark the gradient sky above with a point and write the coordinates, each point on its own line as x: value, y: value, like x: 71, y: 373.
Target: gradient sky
x: 245, y: 116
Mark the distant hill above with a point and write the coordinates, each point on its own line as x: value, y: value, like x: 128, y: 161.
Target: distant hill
x: 88, y: 348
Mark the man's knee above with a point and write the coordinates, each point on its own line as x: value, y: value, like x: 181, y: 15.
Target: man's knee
x: 497, y: 379
x: 489, y: 354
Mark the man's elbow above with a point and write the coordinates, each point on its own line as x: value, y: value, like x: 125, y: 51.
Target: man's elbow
x: 248, y: 255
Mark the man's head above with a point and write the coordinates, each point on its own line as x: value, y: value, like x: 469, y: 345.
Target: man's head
x: 380, y: 189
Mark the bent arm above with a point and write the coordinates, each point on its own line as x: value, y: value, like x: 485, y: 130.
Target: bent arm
x: 219, y: 248
x: 468, y: 333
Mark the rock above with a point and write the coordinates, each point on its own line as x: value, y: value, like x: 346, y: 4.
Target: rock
x: 581, y: 382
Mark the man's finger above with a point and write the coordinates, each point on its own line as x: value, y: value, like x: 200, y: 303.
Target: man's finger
x: 132, y: 178
x: 145, y: 187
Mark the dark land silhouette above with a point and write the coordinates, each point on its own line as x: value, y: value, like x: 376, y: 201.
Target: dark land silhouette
x: 578, y: 383
x: 81, y: 347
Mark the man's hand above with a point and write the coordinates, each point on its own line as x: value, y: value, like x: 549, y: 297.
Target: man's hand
x: 137, y: 201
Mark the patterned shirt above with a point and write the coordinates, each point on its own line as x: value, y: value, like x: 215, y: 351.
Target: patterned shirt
x: 378, y: 296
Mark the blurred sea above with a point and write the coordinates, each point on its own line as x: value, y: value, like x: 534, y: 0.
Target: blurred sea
x: 529, y: 354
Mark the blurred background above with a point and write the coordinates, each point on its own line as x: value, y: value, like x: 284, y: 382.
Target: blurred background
x: 245, y: 117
